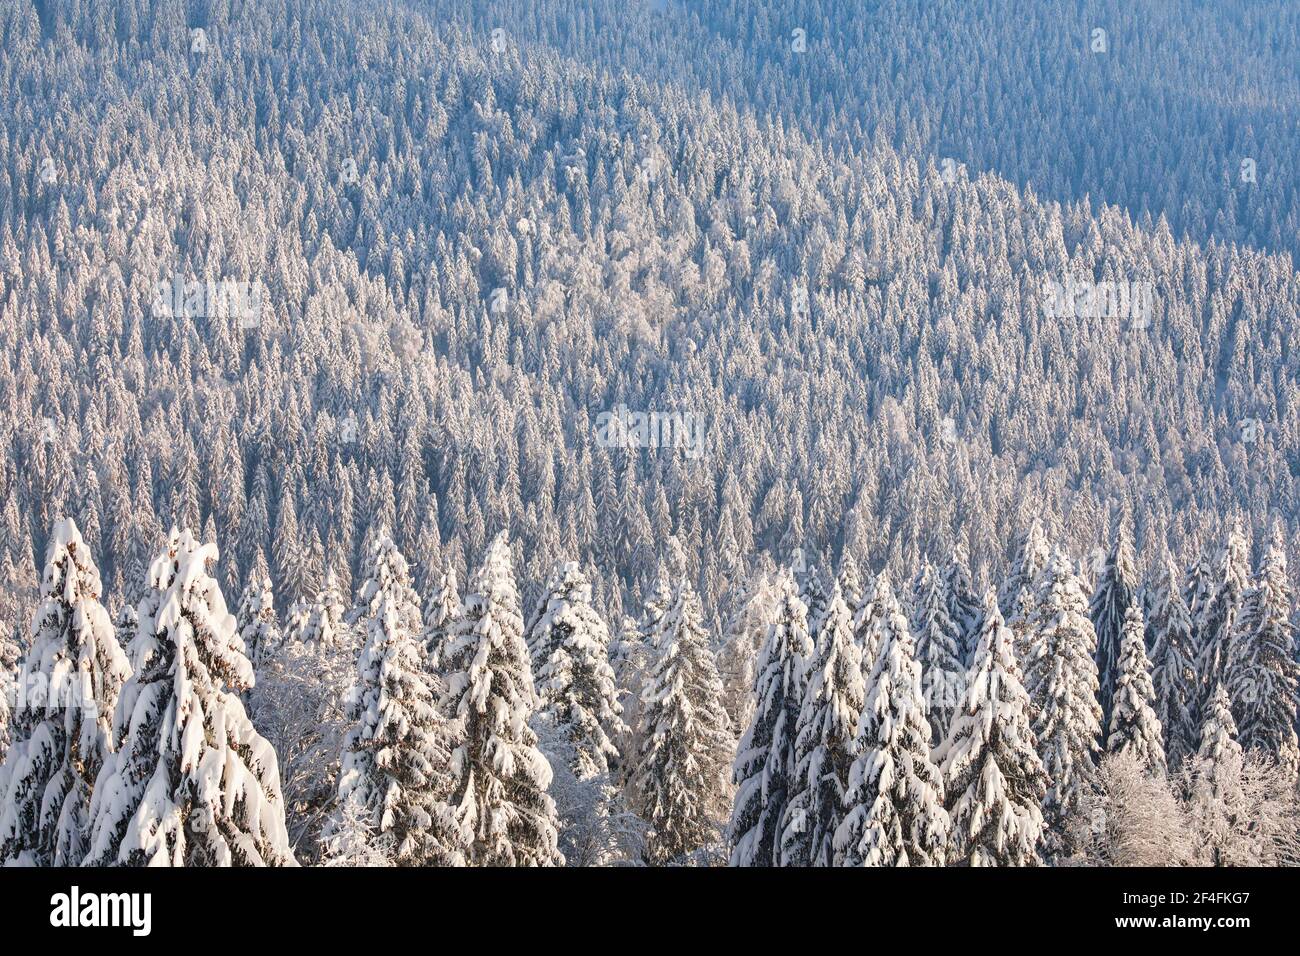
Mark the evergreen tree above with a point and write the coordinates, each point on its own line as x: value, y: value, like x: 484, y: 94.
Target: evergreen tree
x: 816, y: 598
x: 1067, y: 722
x: 1116, y: 593
x: 938, y: 649
x: 993, y: 777
x: 963, y: 603
x: 9, y: 659
x: 62, y: 722
x: 765, y: 759
x: 1032, y: 555
x: 1218, y: 804
x: 575, y: 682
x: 395, y: 757
x: 894, y: 803
x: 500, y: 777
x: 824, y: 733
x: 192, y: 782
x: 256, y: 619
x: 685, y: 735
x: 1263, y: 670
x: 1216, y: 622
x: 439, y: 618
x: 1173, y: 669
x: 326, y: 620
x: 742, y: 641
x: 1134, y: 728
x: 850, y: 582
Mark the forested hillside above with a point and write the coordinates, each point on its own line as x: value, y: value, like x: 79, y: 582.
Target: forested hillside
x: 340, y: 286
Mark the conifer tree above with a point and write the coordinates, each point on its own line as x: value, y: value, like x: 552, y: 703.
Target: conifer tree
x: 1134, y: 728
x: 894, y: 804
x: 1263, y: 671
x: 1218, y: 803
x: 682, y: 781
x: 256, y: 619
x: 816, y: 598
x: 765, y: 759
x: 439, y: 617
x: 575, y: 682
x: 963, y: 603
x: 1067, y: 722
x: 9, y: 658
x: 1032, y: 555
x: 1173, y: 668
x: 850, y: 582
x: 1116, y: 592
x: 192, y: 782
x: 742, y: 641
x: 1216, y: 622
x: 993, y: 777
x: 327, y: 618
x: 824, y: 733
x: 62, y: 722
x: 500, y: 776
x: 395, y: 756
x: 938, y: 649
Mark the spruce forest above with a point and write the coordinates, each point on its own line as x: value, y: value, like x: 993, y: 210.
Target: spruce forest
x: 649, y: 433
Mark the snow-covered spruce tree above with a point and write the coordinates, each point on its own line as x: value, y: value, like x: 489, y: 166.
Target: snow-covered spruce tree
x: 395, y: 756
x: 192, y: 782
x: 765, y: 759
x: 630, y: 659
x: 939, y: 649
x: 963, y: 602
x: 500, y: 776
x: 439, y: 616
x: 816, y: 598
x: 682, y: 783
x: 850, y: 579
x: 326, y: 622
x: 296, y: 621
x: 575, y: 683
x: 894, y: 804
x: 1067, y: 721
x: 1116, y: 592
x: 1173, y: 668
x: 1219, y: 808
x: 71, y: 679
x: 1134, y: 728
x: 993, y: 778
x: 1025, y: 639
x: 1263, y: 671
x: 742, y: 641
x: 1216, y: 623
x: 9, y: 658
x: 1032, y: 555
x: 256, y: 619
x: 823, y: 747
x: 866, y: 630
